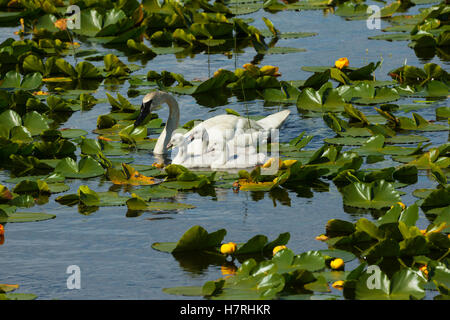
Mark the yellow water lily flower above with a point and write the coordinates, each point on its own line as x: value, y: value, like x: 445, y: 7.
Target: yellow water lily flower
x: 322, y: 237
x: 61, y: 24
x: 40, y: 93
x: 228, y: 248
x: 337, y: 264
x: 278, y: 248
x: 338, y: 284
x: 424, y: 270
x: 270, y: 71
x: 341, y: 63
x: 22, y: 24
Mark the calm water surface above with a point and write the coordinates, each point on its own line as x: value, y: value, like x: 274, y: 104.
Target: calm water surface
x: 114, y: 251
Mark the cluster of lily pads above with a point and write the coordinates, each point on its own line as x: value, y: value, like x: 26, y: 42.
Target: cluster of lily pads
x: 408, y: 261
x: 43, y: 83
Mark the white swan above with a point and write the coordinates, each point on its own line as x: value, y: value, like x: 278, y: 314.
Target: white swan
x: 225, y: 132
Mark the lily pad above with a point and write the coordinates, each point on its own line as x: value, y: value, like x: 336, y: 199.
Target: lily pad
x: 86, y: 168
x: 374, y: 195
x: 24, y: 216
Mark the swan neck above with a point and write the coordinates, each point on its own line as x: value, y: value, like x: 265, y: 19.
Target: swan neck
x: 171, y: 124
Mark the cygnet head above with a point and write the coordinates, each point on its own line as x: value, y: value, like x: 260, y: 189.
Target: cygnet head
x: 176, y: 140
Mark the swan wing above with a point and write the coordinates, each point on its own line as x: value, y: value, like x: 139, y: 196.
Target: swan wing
x: 274, y: 121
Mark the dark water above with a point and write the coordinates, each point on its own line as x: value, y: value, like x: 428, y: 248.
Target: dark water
x: 114, y: 251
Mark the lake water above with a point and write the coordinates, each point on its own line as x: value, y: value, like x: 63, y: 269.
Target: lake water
x: 114, y: 251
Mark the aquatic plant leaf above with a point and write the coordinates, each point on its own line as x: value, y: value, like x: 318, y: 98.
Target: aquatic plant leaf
x: 137, y: 203
x: 86, y: 168
x: 403, y: 285
x: 326, y: 99
x: 157, y: 192
x: 254, y: 245
x: 73, y: 133
x: 188, y: 291
x: 374, y: 195
x: 24, y: 216
x: 198, y: 239
x: 436, y: 199
x: 128, y: 175
x: 30, y: 81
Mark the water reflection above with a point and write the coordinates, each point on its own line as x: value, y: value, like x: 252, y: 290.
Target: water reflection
x: 200, y: 261
x: 281, y: 196
x: 214, y: 98
x: 357, y: 213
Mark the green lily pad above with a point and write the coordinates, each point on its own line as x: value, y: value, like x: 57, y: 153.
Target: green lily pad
x: 137, y: 203
x: 195, y: 239
x: 24, y: 216
x: 155, y: 192
x: 86, y: 168
x: 374, y: 195
x: 404, y: 284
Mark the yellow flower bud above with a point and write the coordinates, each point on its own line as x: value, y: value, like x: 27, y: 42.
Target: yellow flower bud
x: 287, y: 163
x: 278, y: 248
x: 322, y: 237
x: 337, y: 263
x: 270, y: 71
x: 338, y: 284
x: 228, y: 248
x: 341, y: 63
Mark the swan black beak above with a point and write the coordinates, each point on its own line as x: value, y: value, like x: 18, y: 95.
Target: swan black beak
x: 145, y: 111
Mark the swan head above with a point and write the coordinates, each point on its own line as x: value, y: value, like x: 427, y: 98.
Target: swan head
x: 149, y: 102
